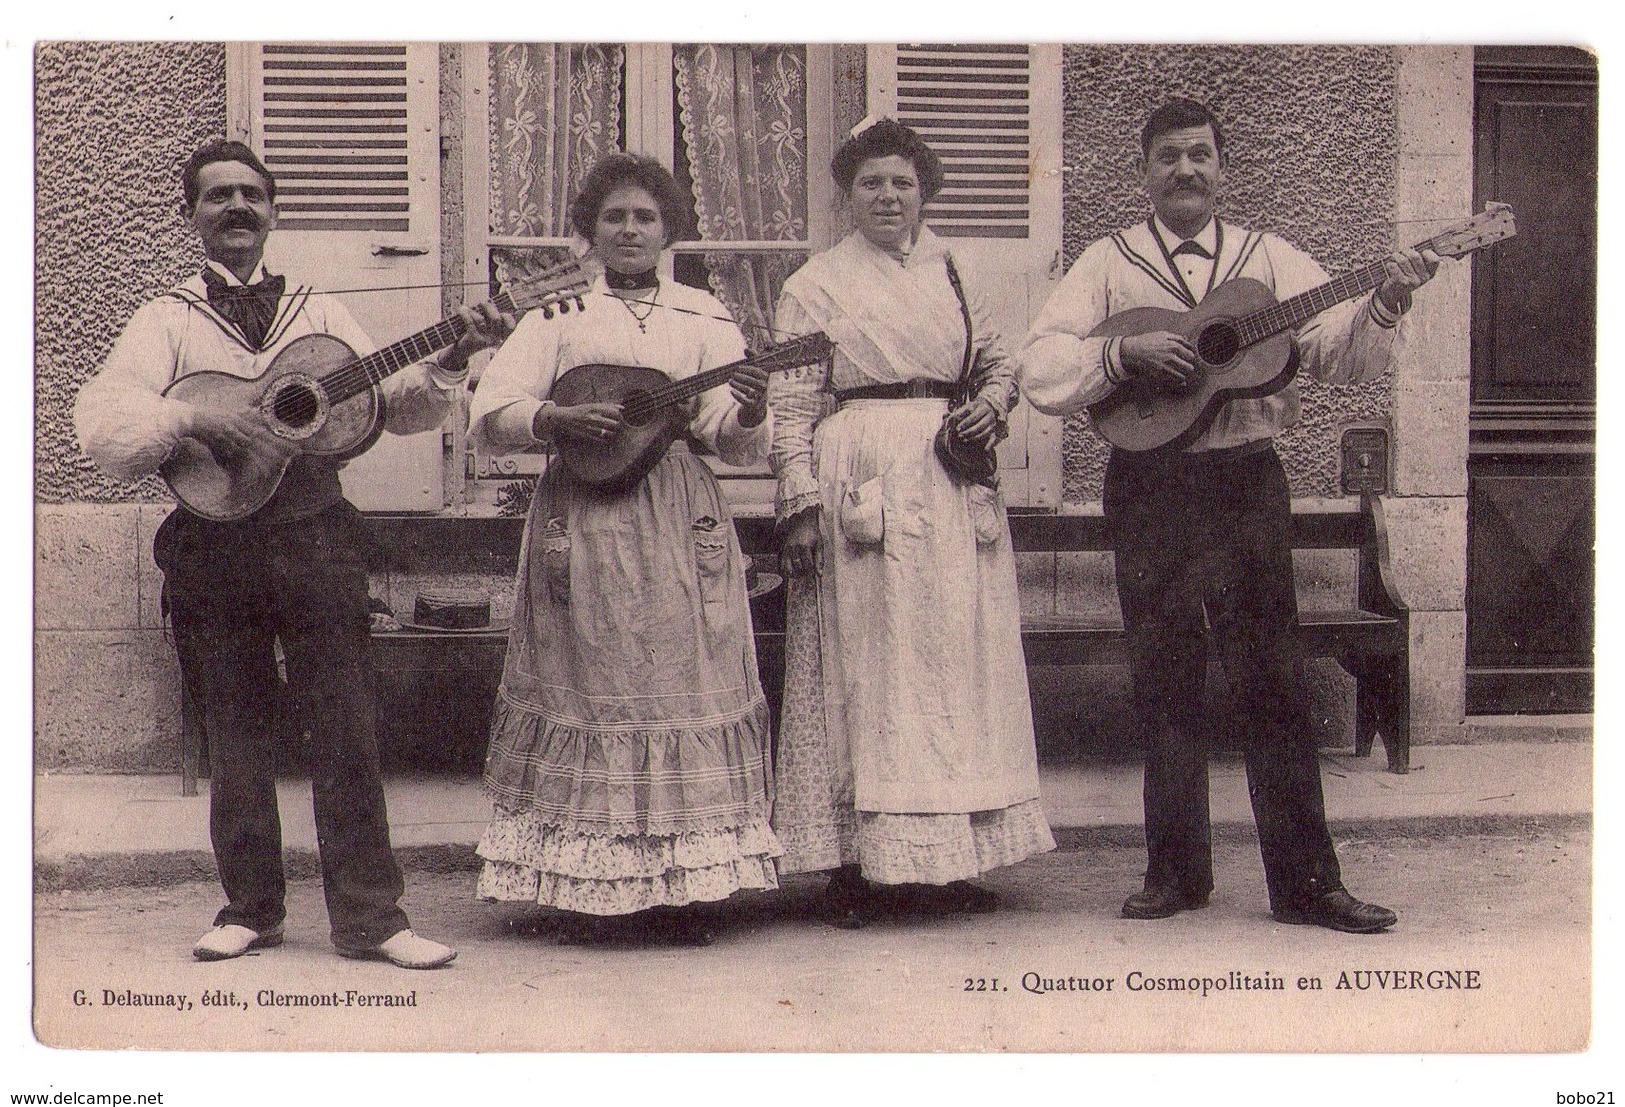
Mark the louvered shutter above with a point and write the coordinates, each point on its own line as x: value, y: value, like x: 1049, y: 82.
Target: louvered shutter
x: 351, y: 131
x: 335, y: 131
x: 970, y: 103
x: 993, y: 114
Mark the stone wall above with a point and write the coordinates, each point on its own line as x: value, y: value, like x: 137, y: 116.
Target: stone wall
x: 1311, y: 138
x: 114, y: 121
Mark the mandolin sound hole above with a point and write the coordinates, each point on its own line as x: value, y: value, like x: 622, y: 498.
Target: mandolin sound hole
x: 296, y: 405
x: 1218, y: 343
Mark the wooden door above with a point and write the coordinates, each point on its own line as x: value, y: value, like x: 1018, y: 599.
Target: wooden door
x: 1531, y: 468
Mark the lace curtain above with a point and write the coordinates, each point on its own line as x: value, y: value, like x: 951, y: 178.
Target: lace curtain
x: 743, y: 112
x: 555, y: 109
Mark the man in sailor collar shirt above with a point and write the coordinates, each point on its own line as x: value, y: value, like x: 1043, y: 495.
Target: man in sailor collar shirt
x: 1206, y: 529
x: 293, y: 573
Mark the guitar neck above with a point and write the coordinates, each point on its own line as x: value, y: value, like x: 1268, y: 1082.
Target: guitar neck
x: 1295, y: 311
x: 363, y: 373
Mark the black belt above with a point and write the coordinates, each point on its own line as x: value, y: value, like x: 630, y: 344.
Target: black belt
x: 905, y: 390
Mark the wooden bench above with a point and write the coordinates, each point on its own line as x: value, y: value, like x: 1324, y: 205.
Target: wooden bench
x: 1371, y: 641
x: 436, y: 689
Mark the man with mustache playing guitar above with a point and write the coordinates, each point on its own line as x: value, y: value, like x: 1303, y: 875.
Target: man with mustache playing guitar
x: 292, y: 571
x: 1204, y: 523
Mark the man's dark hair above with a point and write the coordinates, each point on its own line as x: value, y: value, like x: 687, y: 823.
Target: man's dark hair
x: 885, y: 139
x: 614, y: 170
x: 222, y: 149
x: 1176, y: 115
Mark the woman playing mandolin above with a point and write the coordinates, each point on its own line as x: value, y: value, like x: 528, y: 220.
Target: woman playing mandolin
x: 628, y: 758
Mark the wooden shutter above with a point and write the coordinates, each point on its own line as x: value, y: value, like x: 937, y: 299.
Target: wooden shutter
x: 334, y: 128
x: 351, y: 131
x: 971, y: 104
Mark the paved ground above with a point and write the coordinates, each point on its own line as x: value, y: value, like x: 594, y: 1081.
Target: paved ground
x: 92, y: 831
x: 1498, y: 922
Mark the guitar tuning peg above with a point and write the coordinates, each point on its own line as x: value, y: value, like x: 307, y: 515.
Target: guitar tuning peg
x: 547, y: 312
x: 564, y: 307
x: 580, y: 304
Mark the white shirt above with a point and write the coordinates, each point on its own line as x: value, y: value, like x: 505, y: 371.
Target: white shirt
x: 679, y: 343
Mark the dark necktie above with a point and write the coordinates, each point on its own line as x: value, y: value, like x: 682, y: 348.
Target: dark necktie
x: 251, y: 307
x: 1191, y: 246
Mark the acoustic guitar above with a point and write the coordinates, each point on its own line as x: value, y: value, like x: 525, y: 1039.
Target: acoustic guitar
x: 1244, y: 344
x: 654, y: 409
x: 318, y: 397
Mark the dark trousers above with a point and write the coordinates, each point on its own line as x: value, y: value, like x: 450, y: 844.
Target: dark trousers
x: 1195, y: 534
x: 233, y: 591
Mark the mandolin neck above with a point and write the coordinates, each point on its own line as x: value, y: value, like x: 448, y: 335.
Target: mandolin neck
x: 679, y: 391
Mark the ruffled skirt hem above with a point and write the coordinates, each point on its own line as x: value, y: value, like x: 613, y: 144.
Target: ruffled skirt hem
x: 917, y: 848
x: 527, y: 860
x: 661, y: 781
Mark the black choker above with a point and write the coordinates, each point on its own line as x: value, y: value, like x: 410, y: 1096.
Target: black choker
x: 632, y: 282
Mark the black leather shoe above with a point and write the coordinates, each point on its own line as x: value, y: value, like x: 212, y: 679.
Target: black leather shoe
x: 1160, y: 903
x: 970, y: 898
x: 1338, y: 911
x: 850, y: 902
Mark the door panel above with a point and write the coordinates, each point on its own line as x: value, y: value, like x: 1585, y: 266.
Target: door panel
x: 1531, y: 525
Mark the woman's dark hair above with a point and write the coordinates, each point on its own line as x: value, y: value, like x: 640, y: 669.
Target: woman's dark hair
x: 1176, y: 115
x: 614, y: 170
x: 221, y: 149
x: 882, y: 140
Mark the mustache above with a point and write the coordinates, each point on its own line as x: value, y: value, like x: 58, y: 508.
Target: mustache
x: 248, y: 221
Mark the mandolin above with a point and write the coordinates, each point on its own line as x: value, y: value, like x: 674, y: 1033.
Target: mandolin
x: 318, y: 397
x: 1244, y: 345
x: 652, y: 405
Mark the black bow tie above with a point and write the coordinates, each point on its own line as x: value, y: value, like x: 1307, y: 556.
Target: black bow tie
x: 251, y: 307
x: 1191, y: 246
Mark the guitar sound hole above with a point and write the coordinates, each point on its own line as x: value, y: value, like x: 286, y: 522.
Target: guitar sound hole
x: 296, y: 406
x: 1218, y: 343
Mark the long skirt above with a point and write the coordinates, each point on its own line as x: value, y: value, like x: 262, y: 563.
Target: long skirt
x: 906, y: 742
x: 628, y: 758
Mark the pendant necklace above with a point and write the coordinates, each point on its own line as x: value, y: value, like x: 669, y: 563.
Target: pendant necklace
x: 648, y: 309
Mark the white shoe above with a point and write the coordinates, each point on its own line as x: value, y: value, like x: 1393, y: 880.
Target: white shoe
x: 406, y: 950
x: 225, y: 942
